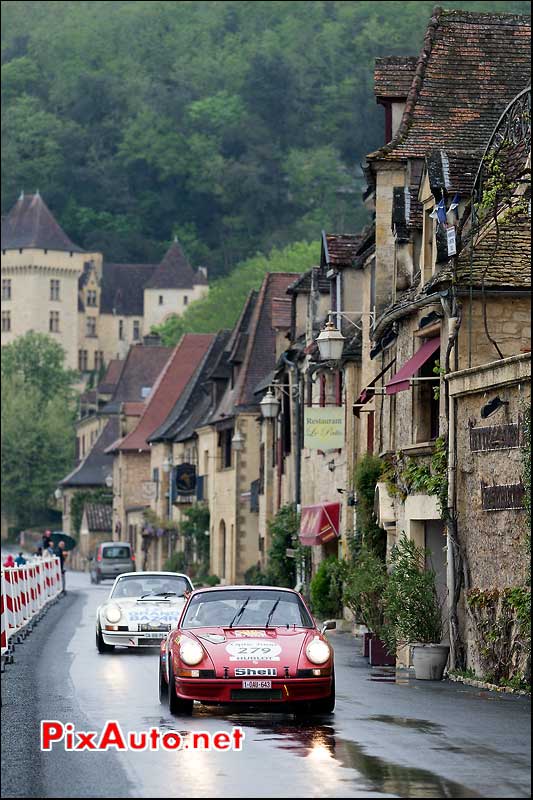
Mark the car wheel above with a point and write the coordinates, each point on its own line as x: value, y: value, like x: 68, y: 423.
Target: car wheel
x: 176, y: 705
x: 101, y: 646
x: 327, y: 705
x: 163, y: 685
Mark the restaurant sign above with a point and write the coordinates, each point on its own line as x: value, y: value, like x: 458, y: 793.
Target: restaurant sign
x: 324, y: 428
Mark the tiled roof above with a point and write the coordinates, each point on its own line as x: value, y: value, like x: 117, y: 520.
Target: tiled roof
x: 238, y: 340
x: 97, y: 464
x: 175, y: 272
x: 260, y: 353
x: 304, y: 282
x: 173, y: 380
x: 133, y: 409
x: 123, y: 288
x: 99, y: 517
x: 339, y: 249
x: 453, y: 170
x: 141, y: 369
x: 281, y: 313
x: 30, y: 224
x: 499, y: 260
x: 471, y: 66
x: 194, y: 404
x: 393, y: 76
x: 112, y: 376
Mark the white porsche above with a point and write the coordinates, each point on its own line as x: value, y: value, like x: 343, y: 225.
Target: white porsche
x: 141, y: 609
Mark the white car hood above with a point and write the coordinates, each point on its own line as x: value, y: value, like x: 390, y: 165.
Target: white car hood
x: 154, y: 612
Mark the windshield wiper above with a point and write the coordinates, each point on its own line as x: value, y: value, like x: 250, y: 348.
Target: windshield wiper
x: 157, y: 594
x: 271, y: 614
x: 239, y: 613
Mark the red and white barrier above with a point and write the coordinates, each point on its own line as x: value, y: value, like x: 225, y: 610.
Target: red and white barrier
x: 25, y: 591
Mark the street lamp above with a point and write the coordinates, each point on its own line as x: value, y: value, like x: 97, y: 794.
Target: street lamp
x: 330, y: 342
x: 269, y: 405
x: 167, y: 464
x: 237, y: 441
x: 58, y: 494
x: 109, y: 481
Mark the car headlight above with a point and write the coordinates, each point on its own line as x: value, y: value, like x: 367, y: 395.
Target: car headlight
x: 318, y: 651
x: 191, y: 652
x: 113, y: 613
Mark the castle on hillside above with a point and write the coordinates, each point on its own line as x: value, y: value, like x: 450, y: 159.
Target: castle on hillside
x: 93, y: 308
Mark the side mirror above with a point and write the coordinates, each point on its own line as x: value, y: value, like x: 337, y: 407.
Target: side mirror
x: 328, y: 625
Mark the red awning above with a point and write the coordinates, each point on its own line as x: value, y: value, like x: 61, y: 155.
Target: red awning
x: 320, y: 524
x: 369, y: 391
x: 400, y: 381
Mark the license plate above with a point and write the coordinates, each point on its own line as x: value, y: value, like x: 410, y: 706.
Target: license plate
x: 153, y: 635
x: 257, y: 684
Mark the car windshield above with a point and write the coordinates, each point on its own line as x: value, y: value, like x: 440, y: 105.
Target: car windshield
x: 148, y: 586
x: 248, y: 608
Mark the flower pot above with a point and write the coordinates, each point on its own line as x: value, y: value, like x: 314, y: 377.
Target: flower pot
x: 429, y: 661
x: 366, y: 643
x: 379, y: 655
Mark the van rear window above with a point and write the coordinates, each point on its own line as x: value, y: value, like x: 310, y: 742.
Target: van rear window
x: 116, y: 552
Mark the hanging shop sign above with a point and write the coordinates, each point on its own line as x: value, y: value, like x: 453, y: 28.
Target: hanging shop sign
x: 324, y: 428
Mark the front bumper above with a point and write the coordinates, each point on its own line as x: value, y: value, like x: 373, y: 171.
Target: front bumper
x: 134, y: 638
x: 230, y: 690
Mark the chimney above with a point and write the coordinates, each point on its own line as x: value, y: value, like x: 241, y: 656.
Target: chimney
x: 152, y: 340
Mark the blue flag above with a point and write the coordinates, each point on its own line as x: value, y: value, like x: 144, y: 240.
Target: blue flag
x: 441, y: 211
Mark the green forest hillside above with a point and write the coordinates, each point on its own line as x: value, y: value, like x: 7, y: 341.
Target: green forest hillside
x: 239, y: 126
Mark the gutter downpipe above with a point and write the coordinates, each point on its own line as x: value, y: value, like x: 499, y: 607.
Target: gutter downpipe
x: 295, y: 396
x: 450, y: 560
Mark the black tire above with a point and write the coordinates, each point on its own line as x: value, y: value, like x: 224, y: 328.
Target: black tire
x: 101, y: 646
x: 163, y: 685
x: 176, y: 705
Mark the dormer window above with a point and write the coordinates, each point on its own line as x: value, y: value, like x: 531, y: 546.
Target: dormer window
x: 91, y: 297
x: 161, y: 299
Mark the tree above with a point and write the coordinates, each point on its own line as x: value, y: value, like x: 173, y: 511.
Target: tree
x: 38, y: 411
x: 37, y: 447
x: 38, y: 361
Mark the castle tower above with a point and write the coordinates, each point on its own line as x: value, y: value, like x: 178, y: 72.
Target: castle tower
x: 40, y: 268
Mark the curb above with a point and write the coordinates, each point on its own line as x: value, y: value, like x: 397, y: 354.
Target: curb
x: 492, y: 687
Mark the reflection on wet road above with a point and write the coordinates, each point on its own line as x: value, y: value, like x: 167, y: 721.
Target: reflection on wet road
x: 395, y: 738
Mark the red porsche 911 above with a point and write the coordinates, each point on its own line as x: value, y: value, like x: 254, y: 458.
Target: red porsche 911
x: 247, y: 645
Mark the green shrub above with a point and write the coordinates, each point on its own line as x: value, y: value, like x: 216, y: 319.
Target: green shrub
x: 176, y: 563
x: 368, y: 472
x: 364, y: 589
x: 412, y: 611
x: 327, y: 588
x: 255, y: 577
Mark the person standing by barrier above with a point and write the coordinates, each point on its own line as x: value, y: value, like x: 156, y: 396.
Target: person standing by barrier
x: 62, y: 555
x: 20, y: 560
x: 9, y: 562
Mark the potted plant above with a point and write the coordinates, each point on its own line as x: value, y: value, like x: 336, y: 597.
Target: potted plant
x: 413, y: 614
x: 363, y: 594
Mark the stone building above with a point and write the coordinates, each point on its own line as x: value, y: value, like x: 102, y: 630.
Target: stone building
x: 41, y: 274
x: 442, y: 304
x: 137, y: 484
x: 106, y: 414
x: 93, y: 308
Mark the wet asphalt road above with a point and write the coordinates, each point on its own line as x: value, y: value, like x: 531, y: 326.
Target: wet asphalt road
x: 386, y: 739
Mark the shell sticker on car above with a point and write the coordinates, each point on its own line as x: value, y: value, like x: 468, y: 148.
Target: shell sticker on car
x: 253, y: 650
